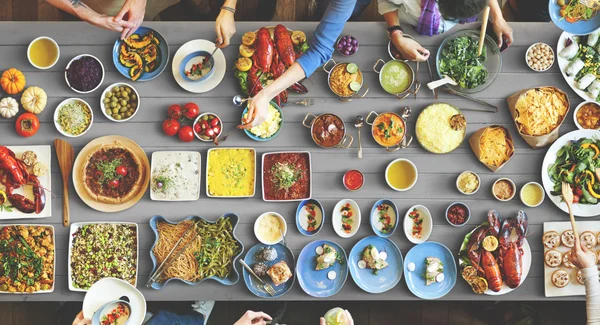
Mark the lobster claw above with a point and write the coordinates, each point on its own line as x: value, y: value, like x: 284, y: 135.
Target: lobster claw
x: 521, y: 225
x: 495, y: 222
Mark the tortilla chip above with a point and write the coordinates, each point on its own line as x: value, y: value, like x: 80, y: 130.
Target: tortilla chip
x: 495, y: 146
x: 540, y: 110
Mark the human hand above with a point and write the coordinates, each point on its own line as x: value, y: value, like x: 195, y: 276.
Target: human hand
x: 133, y: 11
x: 225, y: 28
x: 580, y: 255
x: 108, y: 22
x: 79, y: 320
x: 503, y: 30
x: 409, y: 48
x: 346, y: 319
x: 253, y: 318
x: 258, y: 110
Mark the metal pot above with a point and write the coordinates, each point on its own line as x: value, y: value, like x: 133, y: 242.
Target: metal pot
x: 341, y: 97
x: 344, y: 142
x: 390, y: 44
x: 403, y: 142
x: 408, y: 90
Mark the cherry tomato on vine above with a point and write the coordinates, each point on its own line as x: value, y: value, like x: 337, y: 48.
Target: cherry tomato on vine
x: 186, y: 133
x: 191, y: 110
x: 175, y: 111
x: 170, y: 127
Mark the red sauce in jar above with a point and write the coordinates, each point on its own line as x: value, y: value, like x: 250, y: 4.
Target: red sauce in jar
x: 457, y: 214
x: 353, y: 180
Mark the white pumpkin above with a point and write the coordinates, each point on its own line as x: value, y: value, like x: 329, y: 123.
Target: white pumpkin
x: 34, y: 99
x: 8, y: 107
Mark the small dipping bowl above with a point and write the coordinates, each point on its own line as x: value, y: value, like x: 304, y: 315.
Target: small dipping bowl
x: 478, y: 182
x: 41, y: 39
x: 395, y: 162
x: 191, y: 59
x: 514, y: 187
x: 467, y: 217
x: 539, y: 187
x: 197, y: 120
x: 257, y: 228
x: 109, y: 307
x: 353, y: 180
x: 576, y: 111
x: 531, y: 49
x: 341, y: 48
x: 302, y: 215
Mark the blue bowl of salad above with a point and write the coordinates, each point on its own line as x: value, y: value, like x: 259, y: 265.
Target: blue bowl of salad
x: 573, y: 17
x: 193, y: 67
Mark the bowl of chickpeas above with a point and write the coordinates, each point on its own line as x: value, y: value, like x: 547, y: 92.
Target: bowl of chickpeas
x: 120, y: 102
x: 539, y: 57
x: 587, y: 116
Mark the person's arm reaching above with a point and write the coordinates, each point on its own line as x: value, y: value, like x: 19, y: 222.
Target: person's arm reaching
x: 407, y: 47
x: 83, y: 12
x: 132, y: 11
x: 321, y: 50
x: 580, y: 257
x: 253, y: 318
x: 501, y: 27
x: 225, y: 23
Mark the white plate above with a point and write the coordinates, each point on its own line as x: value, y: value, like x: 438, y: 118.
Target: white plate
x: 73, y: 229
x: 562, y: 66
x: 427, y: 224
x: 526, y: 267
x: 209, y: 83
x: 573, y: 288
x: 580, y: 210
x: 262, y: 177
x: 44, y: 155
x: 336, y: 218
x: 206, y: 172
x: 190, y: 161
x: 110, y: 289
x: 54, y: 267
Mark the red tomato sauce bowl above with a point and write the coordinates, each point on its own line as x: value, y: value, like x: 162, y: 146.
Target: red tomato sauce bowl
x: 353, y: 180
x: 458, y: 214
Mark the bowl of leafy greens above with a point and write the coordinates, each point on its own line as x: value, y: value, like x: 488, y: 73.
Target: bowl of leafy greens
x: 457, y: 58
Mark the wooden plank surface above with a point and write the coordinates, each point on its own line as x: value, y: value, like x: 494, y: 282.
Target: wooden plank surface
x: 438, y: 173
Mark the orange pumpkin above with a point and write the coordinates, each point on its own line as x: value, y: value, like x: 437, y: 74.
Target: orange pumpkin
x: 12, y: 81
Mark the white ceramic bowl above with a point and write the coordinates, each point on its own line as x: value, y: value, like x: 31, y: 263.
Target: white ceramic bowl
x: 416, y: 175
x: 66, y: 101
x: 511, y: 183
x: 281, y: 221
x: 478, y: 182
x: 427, y: 224
x: 77, y: 58
x: 577, y: 110
x: 336, y: 218
x: 103, y: 106
x: 57, y: 52
x: 198, y: 119
x: 531, y: 48
x: 534, y: 184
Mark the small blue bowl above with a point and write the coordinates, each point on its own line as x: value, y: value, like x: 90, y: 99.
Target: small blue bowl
x: 188, y: 58
x: 582, y: 27
x: 233, y: 277
x: 315, y: 283
x: 283, y: 254
x: 415, y: 280
x: 375, y: 215
x: 386, y: 278
x: 163, y: 56
x: 298, y: 216
x: 110, y: 306
x: 257, y: 138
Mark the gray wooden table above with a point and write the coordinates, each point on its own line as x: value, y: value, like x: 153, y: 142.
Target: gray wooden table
x: 437, y: 173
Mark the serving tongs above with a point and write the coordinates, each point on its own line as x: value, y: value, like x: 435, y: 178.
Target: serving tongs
x: 173, y: 255
x: 478, y: 101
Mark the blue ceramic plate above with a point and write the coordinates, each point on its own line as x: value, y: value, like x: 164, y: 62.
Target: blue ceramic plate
x: 392, y: 213
x: 301, y: 216
x: 257, y: 138
x: 163, y: 56
x: 315, y: 283
x: 579, y: 28
x: 188, y: 58
x: 415, y: 280
x: 283, y: 254
x: 385, y: 279
x: 233, y: 277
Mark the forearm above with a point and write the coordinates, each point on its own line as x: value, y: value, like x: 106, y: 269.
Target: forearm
x: 76, y: 8
x: 592, y: 293
x: 391, y: 18
x: 230, y: 3
x: 292, y: 75
x: 495, y: 10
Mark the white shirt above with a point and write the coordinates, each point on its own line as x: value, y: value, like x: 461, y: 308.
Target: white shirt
x: 592, y: 294
x: 409, y: 12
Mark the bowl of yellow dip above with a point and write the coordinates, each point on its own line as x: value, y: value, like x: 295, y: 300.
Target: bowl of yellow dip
x: 532, y: 194
x: 401, y: 174
x: 396, y: 77
x: 43, y: 52
x: 468, y: 183
x: 268, y: 228
x: 268, y: 129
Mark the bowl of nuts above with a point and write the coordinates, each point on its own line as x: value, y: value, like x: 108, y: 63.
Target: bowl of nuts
x: 539, y: 57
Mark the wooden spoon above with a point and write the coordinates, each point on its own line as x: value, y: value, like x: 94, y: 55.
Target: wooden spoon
x: 65, y: 155
x: 567, y: 194
x: 486, y: 15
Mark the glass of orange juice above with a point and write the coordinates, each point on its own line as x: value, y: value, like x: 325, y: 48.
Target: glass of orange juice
x: 43, y: 52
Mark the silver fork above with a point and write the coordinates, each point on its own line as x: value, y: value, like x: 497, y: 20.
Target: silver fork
x: 306, y: 102
x: 267, y: 287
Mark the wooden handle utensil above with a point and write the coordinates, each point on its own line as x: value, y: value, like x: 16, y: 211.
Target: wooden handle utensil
x: 65, y: 155
x: 484, y: 20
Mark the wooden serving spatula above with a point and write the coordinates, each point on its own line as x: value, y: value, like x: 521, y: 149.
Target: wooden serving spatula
x: 66, y: 155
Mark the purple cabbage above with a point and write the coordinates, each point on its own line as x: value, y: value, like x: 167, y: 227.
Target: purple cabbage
x: 85, y: 73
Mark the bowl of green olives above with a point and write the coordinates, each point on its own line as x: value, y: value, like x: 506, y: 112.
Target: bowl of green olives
x: 120, y: 102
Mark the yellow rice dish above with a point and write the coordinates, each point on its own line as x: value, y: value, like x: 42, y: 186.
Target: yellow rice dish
x: 269, y: 127
x: 231, y: 172
x: 434, y: 129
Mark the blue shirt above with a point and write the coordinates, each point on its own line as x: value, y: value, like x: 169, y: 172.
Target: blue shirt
x: 326, y: 34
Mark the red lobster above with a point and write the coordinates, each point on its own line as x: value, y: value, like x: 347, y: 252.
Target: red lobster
x: 474, y: 243
x: 511, y: 252
x: 491, y: 270
x: 285, y: 47
x: 16, y: 175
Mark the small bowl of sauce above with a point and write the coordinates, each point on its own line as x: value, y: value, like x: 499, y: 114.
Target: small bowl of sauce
x: 268, y: 228
x: 587, y: 116
x: 401, y: 175
x: 353, y: 180
x: 458, y: 214
x: 504, y: 189
x: 43, y: 52
x: 532, y: 194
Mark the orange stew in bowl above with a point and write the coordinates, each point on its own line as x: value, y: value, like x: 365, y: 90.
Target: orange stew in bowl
x: 588, y: 116
x: 388, y: 129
